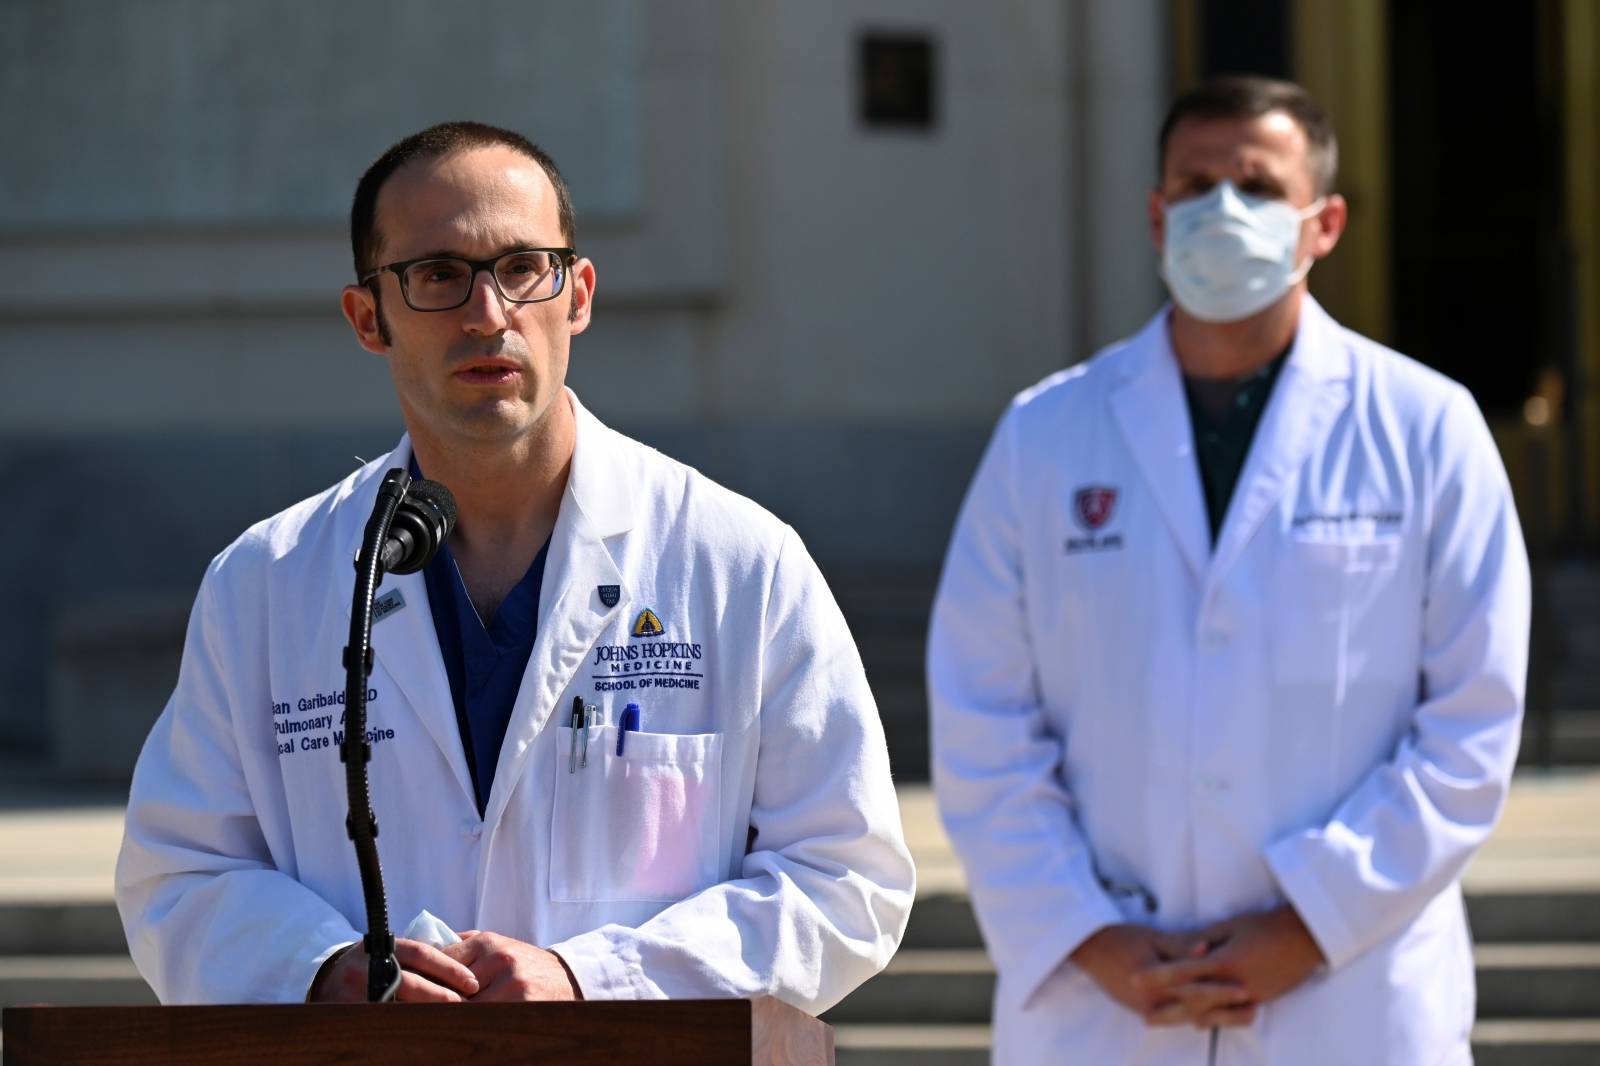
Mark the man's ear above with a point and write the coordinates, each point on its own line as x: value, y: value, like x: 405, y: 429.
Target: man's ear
x: 1328, y: 225
x: 360, y: 309
x: 582, y: 283
x: 1158, y: 220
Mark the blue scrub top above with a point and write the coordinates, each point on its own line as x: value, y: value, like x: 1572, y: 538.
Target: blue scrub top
x: 484, y: 664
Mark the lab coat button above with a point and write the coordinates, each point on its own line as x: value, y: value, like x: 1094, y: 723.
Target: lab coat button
x: 1214, y: 638
x: 1213, y: 784
x: 472, y: 830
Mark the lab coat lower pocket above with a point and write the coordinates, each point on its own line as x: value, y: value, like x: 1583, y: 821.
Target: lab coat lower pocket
x: 639, y: 826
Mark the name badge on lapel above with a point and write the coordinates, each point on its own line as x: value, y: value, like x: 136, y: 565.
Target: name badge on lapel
x: 387, y: 604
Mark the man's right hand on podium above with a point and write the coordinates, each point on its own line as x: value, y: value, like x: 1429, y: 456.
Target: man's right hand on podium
x: 429, y: 976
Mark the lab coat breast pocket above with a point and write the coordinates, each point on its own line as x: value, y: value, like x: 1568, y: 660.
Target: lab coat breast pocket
x: 1323, y: 595
x: 639, y: 826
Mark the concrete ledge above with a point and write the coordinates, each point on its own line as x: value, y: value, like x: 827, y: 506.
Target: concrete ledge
x: 1533, y: 916
x: 911, y: 1045
x: 1543, y: 1042
x: 1538, y: 980
x: 93, y: 981
x: 1524, y: 981
x: 60, y: 929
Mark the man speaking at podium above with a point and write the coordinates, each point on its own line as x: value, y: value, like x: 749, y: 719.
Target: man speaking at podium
x: 622, y: 739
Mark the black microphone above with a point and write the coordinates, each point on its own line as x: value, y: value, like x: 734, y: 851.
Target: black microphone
x: 423, y: 520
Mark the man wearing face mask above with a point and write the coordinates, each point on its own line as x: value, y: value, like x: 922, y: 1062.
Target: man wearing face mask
x: 1228, y: 657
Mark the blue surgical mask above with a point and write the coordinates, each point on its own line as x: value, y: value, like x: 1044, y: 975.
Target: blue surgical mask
x: 1230, y: 255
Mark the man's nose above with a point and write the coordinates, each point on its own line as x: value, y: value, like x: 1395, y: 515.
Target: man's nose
x: 485, y: 310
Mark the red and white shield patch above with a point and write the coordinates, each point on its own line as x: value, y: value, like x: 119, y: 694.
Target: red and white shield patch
x: 1093, y: 506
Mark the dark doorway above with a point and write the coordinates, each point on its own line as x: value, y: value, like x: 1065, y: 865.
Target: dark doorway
x: 1479, y: 278
x: 1245, y: 37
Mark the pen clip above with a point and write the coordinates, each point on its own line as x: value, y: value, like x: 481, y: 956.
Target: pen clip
x: 589, y: 713
x: 630, y: 721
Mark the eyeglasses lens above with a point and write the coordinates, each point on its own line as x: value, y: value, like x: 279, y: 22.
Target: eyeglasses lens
x: 525, y: 277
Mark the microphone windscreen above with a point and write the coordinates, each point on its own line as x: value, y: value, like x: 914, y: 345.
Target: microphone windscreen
x: 422, y: 522
x: 439, y: 496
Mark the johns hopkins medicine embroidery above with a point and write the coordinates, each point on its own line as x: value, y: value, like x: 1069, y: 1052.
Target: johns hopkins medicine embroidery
x: 642, y: 664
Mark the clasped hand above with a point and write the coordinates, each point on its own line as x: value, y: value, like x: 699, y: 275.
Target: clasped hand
x: 1216, y: 976
x: 482, y: 968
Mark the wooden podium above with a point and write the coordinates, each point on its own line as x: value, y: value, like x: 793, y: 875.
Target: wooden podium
x: 702, y: 1032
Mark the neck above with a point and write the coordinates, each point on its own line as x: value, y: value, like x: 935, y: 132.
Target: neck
x: 507, y: 497
x: 1221, y: 350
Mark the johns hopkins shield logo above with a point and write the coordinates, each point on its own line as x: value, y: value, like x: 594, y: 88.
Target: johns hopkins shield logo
x: 1093, y: 505
x: 647, y: 624
x: 610, y: 594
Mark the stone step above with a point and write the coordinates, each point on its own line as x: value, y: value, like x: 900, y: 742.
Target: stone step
x: 937, y: 922
x: 953, y: 986
x: 1538, y: 980
x: 1495, y: 1042
x: 72, y: 981
x: 869, y: 1039
x: 1534, y: 917
x: 1536, y: 1042
x: 911, y: 1045
x: 61, y: 928
x: 943, y: 922
x: 957, y: 985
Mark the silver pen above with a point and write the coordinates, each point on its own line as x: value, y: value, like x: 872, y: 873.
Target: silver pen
x: 589, y: 713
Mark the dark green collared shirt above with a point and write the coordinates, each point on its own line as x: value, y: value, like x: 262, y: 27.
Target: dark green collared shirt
x: 1225, y: 415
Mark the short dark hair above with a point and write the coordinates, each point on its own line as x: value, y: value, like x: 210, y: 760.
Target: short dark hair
x: 436, y: 142
x: 1248, y: 96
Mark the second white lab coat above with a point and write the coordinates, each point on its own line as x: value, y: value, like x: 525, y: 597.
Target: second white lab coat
x: 747, y: 842
x: 1130, y: 725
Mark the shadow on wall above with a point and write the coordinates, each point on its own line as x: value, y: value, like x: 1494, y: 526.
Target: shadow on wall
x: 103, y: 562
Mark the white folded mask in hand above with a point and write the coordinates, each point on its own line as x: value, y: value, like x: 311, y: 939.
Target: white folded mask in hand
x: 431, y: 931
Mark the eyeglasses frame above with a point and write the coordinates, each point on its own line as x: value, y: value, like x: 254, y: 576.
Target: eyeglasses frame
x: 568, y: 258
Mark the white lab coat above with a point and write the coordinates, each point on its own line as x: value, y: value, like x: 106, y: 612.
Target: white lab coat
x: 748, y: 842
x: 1325, y: 709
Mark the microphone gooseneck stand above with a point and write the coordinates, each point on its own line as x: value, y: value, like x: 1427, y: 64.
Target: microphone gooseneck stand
x: 383, y: 969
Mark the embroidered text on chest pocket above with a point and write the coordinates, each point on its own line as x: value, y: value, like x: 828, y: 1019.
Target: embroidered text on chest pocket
x: 1323, y: 593
x: 639, y: 826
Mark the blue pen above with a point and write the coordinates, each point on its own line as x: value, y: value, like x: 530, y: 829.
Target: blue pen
x: 630, y: 720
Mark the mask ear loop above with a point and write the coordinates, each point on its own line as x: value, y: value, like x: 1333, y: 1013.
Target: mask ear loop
x: 1311, y: 210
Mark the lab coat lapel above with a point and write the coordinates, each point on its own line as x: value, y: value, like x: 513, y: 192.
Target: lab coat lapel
x: 1153, y: 415
x: 1310, y: 392
x: 405, y: 642
x: 597, y: 505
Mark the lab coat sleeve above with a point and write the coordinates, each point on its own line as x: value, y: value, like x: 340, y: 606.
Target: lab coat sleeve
x: 1411, y: 825
x: 996, y: 758
x: 824, y: 892
x: 209, y: 917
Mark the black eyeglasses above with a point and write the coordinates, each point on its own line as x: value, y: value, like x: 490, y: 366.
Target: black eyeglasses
x: 526, y: 276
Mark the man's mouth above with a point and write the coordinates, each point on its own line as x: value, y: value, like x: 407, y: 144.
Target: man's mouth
x: 488, y: 372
